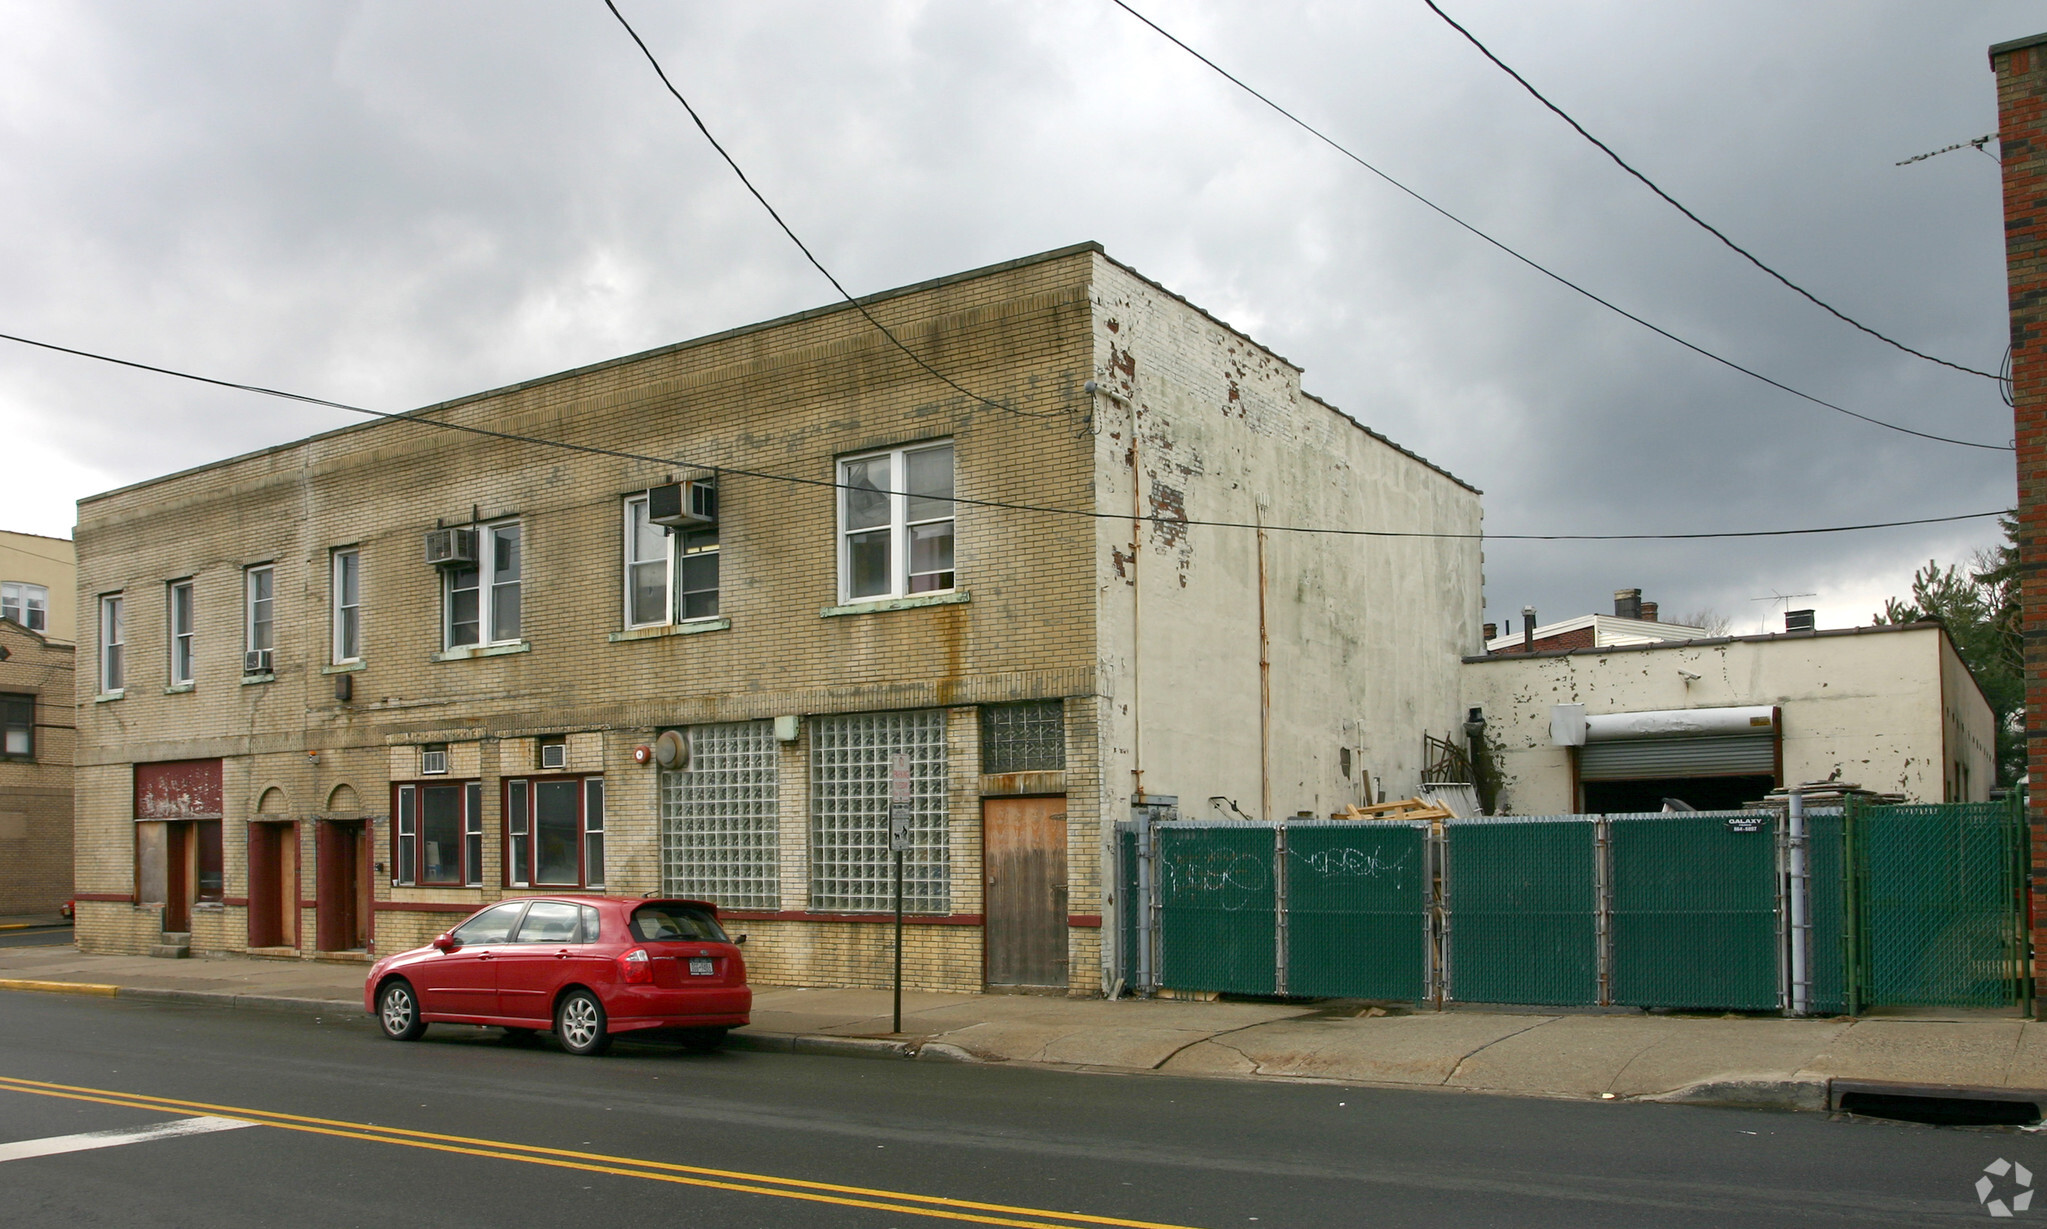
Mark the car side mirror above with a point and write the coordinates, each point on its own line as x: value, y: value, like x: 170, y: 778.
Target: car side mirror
x: 444, y: 943
x: 738, y: 940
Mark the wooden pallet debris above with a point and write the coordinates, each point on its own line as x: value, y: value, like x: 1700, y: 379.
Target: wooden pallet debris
x: 1403, y: 809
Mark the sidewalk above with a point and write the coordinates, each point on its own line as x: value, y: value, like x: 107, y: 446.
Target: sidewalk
x: 1759, y: 1062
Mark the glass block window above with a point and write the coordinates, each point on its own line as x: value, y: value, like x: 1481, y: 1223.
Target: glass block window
x: 1029, y: 737
x: 718, y: 819
x: 851, y: 867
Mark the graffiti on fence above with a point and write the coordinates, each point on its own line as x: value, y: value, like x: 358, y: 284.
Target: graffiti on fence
x: 1333, y: 863
x: 1228, y: 879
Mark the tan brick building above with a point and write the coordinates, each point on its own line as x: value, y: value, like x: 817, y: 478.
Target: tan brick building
x: 35, y: 771
x: 311, y: 724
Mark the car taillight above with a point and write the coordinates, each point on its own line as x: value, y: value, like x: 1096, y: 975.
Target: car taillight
x: 635, y: 967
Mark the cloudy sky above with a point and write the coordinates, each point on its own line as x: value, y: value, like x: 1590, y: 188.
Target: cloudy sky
x: 390, y: 204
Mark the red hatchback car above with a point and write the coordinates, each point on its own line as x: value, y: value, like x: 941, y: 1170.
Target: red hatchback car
x: 588, y: 967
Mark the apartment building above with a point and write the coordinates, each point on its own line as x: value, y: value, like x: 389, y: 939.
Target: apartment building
x: 728, y: 618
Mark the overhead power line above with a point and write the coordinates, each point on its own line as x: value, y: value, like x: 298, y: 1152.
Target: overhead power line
x: 801, y: 246
x: 1546, y: 271
x: 1702, y: 223
x: 419, y: 417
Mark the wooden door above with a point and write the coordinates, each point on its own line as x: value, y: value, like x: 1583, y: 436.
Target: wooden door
x: 177, y: 900
x: 287, y: 894
x: 1023, y: 861
x: 266, y: 902
x: 339, y: 916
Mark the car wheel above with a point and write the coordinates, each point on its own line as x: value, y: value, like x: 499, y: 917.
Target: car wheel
x: 398, y: 1012
x: 579, y: 1024
x: 703, y: 1040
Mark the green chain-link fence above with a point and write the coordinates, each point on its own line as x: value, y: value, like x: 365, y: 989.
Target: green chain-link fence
x: 1218, y: 924
x: 1695, y: 911
x: 1357, y: 899
x: 1940, y: 905
x: 1522, y: 898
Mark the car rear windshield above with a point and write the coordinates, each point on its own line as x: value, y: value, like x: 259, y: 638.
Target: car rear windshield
x: 666, y: 922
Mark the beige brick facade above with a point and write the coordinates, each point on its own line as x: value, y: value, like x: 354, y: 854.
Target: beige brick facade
x: 772, y: 408
x: 35, y: 781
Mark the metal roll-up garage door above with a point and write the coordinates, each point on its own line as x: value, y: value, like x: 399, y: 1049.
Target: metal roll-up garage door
x: 1699, y: 756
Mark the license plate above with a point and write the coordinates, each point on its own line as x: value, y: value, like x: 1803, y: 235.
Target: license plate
x: 701, y: 966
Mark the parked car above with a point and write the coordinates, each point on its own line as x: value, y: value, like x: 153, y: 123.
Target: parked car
x: 587, y: 967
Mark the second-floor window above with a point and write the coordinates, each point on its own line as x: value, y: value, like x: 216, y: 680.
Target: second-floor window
x: 259, y: 625
x: 112, y: 643
x: 896, y: 523
x: 669, y: 577
x: 17, y: 727
x: 481, y: 600
x: 347, y: 592
x: 26, y: 604
x: 180, y: 601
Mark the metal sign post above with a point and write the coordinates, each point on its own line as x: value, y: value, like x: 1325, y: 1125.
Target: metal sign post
x: 899, y: 794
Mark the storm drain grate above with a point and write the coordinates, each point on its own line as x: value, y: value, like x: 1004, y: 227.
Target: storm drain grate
x: 1938, y: 1105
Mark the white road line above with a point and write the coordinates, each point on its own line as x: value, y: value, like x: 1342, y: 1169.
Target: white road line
x: 114, y: 1139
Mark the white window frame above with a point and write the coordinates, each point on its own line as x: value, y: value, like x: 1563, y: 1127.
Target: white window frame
x: 26, y: 604
x: 347, y: 615
x: 180, y: 622
x: 490, y: 593
x: 259, y: 614
x: 665, y: 561
x: 899, y: 525
x: 112, y: 643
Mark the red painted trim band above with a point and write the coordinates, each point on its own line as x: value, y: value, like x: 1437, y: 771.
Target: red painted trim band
x: 1085, y: 921
x: 425, y: 906
x: 119, y: 898
x: 240, y: 902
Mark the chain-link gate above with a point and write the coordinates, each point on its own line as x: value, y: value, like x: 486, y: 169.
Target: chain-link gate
x: 1939, y: 902
x: 1218, y: 921
x: 1356, y: 909
x: 1695, y: 906
x: 1521, y: 922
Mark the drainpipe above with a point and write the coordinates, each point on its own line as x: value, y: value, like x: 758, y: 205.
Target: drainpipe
x: 1264, y: 684
x: 1801, y: 924
x: 1136, y: 605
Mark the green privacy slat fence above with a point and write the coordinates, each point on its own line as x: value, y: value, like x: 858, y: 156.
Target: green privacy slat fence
x: 1694, y: 912
x: 1357, y: 900
x: 1827, y: 948
x: 1523, y: 901
x: 1129, y: 905
x: 1938, y: 889
x: 1218, y: 923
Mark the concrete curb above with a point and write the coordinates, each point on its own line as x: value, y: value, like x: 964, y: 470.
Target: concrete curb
x: 248, y: 1002
x: 818, y: 1043
x: 57, y: 987
x: 1759, y: 1094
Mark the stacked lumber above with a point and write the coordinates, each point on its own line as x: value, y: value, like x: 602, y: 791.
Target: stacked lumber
x: 1828, y: 794
x: 1404, y: 809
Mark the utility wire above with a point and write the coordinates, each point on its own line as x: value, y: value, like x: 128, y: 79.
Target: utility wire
x: 1703, y: 224
x: 802, y: 247
x: 419, y: 416
x: 1553, y: 275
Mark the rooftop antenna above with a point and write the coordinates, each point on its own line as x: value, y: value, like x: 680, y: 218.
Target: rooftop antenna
x: 1976, y: 145
x: 1786, y: 598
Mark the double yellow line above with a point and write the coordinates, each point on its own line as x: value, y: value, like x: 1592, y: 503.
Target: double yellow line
x: 936, y: 1206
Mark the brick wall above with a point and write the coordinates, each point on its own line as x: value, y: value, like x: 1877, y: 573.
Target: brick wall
x: 2021, y: 68
x: 35, y: 791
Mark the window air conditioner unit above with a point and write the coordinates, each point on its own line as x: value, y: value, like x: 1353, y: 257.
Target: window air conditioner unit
x: 446, y: 548
x: 554, y: 755
x: 257, y: 661
x: 433, y: 763
x: 683, y: 505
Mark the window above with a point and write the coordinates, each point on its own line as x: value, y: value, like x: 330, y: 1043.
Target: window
x: 719, y: 818
x: 17, y: 727
x: 483, y: 597
x: 26, y: 604
x: 180, y: 602
x: 211, y: 864
x: 554, y: 832
x: 669, y: 577
x: 437, y: 836
x: 347, y: 598
x: 258, y: 624
x: 1028, y: 737
x: 896, y: 523
x: 111, y: 645
x: 552, y: 921
x: 851, y: 762
x: 493, y: 925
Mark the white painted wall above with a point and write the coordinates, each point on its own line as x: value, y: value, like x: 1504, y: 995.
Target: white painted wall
x: 1886, y: 708
x: 1365, y: 634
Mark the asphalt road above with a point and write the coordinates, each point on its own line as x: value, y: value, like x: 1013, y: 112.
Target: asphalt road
x: 466, y: 1129
x: 37, y: 936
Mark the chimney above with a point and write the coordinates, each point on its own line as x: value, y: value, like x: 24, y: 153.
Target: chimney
x: 1648, y: 614
x: 1492, y: 632
x: 1528, y: 629
x: 1627, y: 603
x: 1798, y: 621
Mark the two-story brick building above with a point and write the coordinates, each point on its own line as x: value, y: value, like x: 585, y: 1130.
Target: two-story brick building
x: 336, y: 693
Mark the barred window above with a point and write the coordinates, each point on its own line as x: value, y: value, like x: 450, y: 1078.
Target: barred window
x: 718, y: 819
x: 851, y: 866
x: 1028, y: 737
